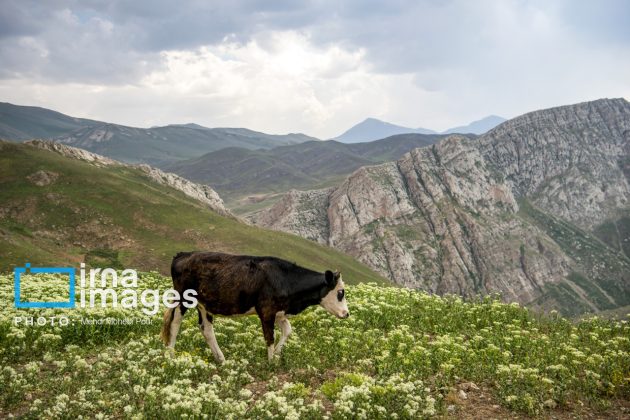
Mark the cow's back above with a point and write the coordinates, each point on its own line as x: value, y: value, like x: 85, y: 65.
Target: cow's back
x: 225, y: 284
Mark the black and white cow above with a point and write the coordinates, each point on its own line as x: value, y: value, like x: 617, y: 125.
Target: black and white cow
x: 232, y: 285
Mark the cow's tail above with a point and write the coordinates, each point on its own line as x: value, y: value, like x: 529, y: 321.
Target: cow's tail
x: 165, y: 334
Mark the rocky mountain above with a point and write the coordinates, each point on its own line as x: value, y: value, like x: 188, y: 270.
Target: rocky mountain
x: 238, y: 172
x: 537, y: 210
x: 372, y: 129
x: 155, y: 145
x: 477, y: 127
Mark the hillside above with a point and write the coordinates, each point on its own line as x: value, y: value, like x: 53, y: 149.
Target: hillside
x: 170, y: 143
x: 130, y: 144
x: 56, y: 210
x: 536, y: 210
x: 400, y: 351
x: 28, y: 122
x: 237, y: 172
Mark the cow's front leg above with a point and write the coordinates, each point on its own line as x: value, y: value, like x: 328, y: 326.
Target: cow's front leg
x: 207, y: 329
x: 267, y: 326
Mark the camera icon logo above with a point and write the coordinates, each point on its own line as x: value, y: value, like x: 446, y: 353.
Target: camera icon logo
x: 17, y: 275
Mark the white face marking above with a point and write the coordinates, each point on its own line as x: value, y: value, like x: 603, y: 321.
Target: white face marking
x: 331, y: 301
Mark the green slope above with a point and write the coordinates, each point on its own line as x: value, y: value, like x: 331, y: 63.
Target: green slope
x: 160, y: 145
x: 28, y: 122
x: 236, y: 172
x: 116, y: 216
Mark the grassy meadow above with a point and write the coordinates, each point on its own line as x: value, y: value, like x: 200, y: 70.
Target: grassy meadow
x: 402, y: 354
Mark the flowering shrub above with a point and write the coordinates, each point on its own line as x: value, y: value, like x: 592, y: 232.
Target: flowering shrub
x: 398, y: 356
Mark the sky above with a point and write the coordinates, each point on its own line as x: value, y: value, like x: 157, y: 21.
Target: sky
x: 310, y: 66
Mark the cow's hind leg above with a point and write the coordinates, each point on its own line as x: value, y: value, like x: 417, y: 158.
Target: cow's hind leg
x: 267, y: 326
x: 207, y: 329
x: 172, y: 322
x: 285, y: 328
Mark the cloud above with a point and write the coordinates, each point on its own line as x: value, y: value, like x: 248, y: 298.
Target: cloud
x: 314, y: 66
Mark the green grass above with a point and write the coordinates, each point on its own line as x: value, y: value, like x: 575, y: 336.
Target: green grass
x: 401, y: 351
x: 118, y: 216
x: 616, y: 234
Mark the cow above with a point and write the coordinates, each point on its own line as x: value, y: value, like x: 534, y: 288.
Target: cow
x: 233, y: 285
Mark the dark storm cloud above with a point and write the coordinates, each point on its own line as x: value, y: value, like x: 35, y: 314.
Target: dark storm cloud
x: 117, y: 41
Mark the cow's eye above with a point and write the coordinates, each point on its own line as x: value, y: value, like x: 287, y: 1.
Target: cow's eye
x: 340, y: 294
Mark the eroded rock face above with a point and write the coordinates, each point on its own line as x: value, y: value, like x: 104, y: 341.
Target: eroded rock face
x: 567, y: 159
x: 300, y: 212
x: 447, y: 219
x: 201, y: 193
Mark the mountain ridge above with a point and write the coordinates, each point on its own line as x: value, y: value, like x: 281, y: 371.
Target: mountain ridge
x: 372, y: 129
x: 132, y: 144
x: 536, y: 209
x: 237, y: 172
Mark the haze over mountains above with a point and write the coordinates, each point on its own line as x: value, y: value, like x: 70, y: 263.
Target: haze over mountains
x: 164, y: 145
x: 537, y: 209
x: 373, y: 129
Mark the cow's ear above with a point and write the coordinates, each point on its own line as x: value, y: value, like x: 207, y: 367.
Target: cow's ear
x: 330, y: 278
x: 337, y: 274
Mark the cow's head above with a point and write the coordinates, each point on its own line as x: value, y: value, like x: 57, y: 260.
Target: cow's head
x: 335, y: 300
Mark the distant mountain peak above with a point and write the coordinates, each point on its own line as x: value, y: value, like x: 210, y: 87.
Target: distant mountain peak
x: 372, y: 129
x: 187, y: 125
x: 479, y: 126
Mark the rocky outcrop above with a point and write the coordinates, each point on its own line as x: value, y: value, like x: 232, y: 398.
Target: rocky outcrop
x: 73, y: 152
x: 506, y: 213
x: 43, y: 178
x: 201, y: 193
